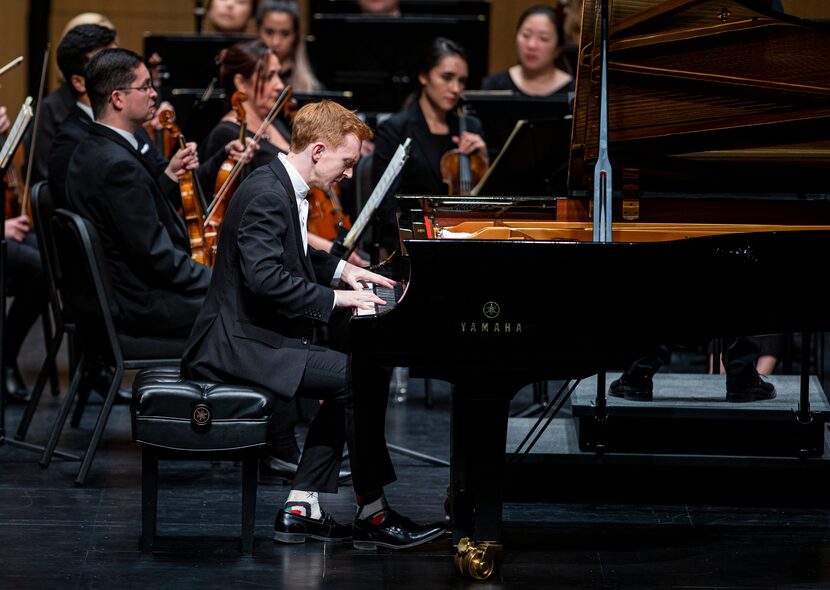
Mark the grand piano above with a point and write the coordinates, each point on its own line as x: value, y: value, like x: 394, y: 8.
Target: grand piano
x: 718, y: 138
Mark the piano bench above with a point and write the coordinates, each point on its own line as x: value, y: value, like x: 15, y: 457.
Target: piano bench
x: 175, y: 419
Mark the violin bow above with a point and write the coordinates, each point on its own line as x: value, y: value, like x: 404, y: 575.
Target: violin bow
x: 25, y: 202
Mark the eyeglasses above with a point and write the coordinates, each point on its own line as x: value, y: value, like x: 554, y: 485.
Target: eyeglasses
x: 145, y: 88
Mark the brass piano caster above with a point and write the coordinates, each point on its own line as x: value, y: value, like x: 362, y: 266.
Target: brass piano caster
x: 476, y: 560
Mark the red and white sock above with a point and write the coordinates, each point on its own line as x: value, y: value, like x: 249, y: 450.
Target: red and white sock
x: 303, y: 503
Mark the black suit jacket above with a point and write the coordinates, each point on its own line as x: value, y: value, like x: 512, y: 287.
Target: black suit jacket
x: 54, y: 110
x: 266, y: 293
x: 158, y: 287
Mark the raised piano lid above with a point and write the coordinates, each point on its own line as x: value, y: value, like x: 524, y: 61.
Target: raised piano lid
x: 705, y: 96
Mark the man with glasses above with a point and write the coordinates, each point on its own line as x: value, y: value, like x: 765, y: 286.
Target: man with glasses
x: 158, y: 287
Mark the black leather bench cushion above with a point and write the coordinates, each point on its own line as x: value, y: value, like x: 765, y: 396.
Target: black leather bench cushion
x: 195, y: 415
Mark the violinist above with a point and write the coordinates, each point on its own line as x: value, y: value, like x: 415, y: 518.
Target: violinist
x: 432, y: 123
x: 278, y: 25
x: 251, y: 68
x: 158, y: 288
x: 26, y: 284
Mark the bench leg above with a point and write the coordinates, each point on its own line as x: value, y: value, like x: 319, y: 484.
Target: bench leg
x: 249, y: 484
x: 149, y: 498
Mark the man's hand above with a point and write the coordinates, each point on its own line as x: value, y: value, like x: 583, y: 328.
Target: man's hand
x: 17, y: 228
x: 354, y: 276
x: 183, y: 161
x: 365, y: 299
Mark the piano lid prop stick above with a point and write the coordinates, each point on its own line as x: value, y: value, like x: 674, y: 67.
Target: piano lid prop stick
x: 602, y: 169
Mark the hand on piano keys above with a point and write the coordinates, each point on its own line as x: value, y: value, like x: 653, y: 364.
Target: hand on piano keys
x: 362, y: 297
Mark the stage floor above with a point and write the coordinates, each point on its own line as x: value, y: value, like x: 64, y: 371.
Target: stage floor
x: 56, y: 535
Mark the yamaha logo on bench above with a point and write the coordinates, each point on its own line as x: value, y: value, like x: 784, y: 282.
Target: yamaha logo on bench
x: 201, y: 417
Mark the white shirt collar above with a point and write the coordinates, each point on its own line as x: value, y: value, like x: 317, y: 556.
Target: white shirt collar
x: 125, y: 134
x: 86, y: 109
x: 300, y: 186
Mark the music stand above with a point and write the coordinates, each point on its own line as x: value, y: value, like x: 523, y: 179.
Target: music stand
x: 381, y: 78
x: 188, y: 65
x: 533, y: 161
x: 500, y: 110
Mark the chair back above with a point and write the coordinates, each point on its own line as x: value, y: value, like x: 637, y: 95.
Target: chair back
x: 85, y: 285
x: 42, y: 208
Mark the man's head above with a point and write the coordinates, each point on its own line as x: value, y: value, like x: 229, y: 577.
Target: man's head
x: 120, y: 88
x: 75, y: 49
x: 331, y: 136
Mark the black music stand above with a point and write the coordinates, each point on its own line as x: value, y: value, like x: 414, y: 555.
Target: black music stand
x: 533, y: 161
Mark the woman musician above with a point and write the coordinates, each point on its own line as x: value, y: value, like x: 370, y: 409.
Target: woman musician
x: 432, y: 122
x: 252, y: 68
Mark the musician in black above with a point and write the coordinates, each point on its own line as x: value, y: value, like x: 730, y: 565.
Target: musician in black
x: 269, y: 289
x: 539, y: 44
x: 743, y: 383
x: 278, y: 25
x: 431, y: 121
x: 26, y: 284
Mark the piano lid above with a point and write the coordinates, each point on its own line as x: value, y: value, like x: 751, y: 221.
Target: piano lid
x: 714, y: 96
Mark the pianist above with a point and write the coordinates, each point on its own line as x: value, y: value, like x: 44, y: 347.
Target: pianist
x: 268, y: 290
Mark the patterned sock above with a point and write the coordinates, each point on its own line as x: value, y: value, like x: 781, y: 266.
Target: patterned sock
x: 376, y: 509
x: 303, y: 503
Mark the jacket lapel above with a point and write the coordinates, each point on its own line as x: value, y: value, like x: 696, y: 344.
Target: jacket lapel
x: 285, y: 180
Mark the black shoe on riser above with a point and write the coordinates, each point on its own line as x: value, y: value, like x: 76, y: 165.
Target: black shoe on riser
x: 639, y: 392
x: 758, y: 390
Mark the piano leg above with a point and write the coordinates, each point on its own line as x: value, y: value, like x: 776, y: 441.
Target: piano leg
x: 478, y: 436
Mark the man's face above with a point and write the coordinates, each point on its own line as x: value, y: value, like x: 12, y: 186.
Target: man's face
x: 334, y: 164
x: 138, y: 101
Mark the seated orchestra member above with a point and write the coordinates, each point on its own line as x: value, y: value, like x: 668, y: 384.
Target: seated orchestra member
x: 251, y: 67
x: 229, y: 16
x: 431, y: 122
x: 269, y: 289
x: 57, y: 105
x: 278, y: 25
x: 26, y: 284
x: 539, y: 43
x: 158, y: 287
x: 743, y: 382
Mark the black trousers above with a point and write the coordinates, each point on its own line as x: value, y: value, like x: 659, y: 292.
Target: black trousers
x: 357, y: 419
x: 740, y: 353
x: 27, y: 284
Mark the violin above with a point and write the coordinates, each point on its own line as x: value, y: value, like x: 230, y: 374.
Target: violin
x: 11, y: 160
x: 201, y: 250
x: 227, y: 166
x: 325, y: 213
x: 459, y: 171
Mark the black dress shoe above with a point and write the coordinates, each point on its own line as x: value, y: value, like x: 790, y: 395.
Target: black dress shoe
x: 14, y: 389
x: 754, y: 391
x: 630, y: 389
x: 394, y: 531
x: 293, y: 528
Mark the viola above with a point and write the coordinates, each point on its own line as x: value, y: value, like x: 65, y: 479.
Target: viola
x: 459, y: 171
x: 212, y: 218
x: 200, y: 249
x: 325, y: 213
x: 162, y: 137
x: 227, y: 166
